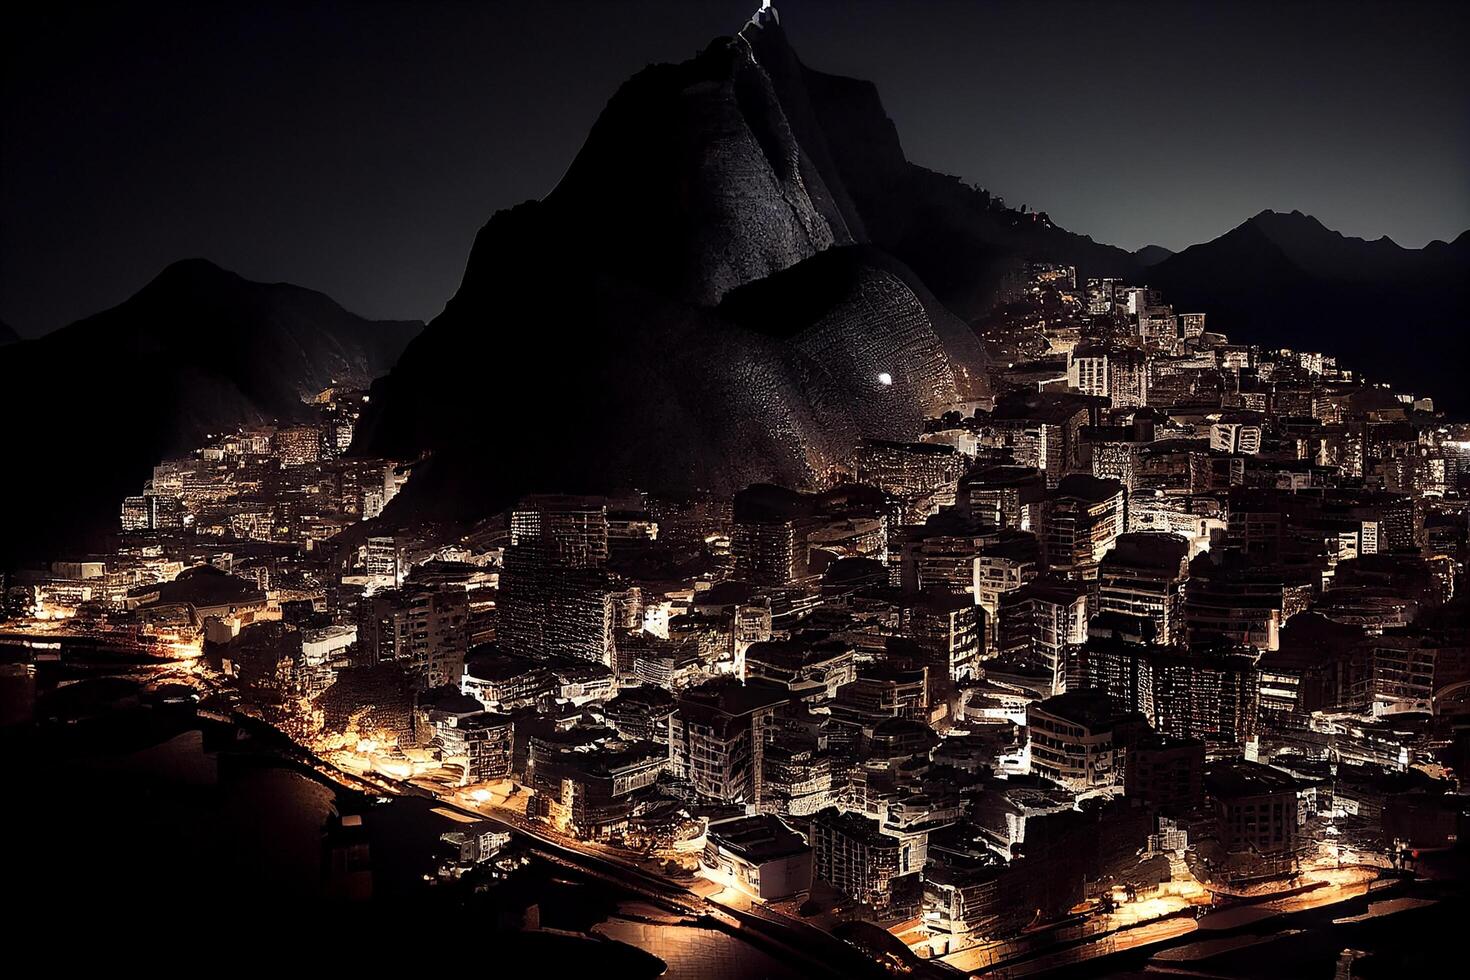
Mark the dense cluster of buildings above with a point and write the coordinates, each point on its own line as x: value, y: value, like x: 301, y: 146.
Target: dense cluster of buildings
x: 1164, y: 607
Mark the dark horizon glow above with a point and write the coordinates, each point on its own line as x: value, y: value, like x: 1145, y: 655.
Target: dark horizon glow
x: 357, y: 149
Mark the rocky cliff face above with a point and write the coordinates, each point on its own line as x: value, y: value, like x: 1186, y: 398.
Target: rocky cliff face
x: 724, y: 288
x: 957, y: 238
x: 692, y: 182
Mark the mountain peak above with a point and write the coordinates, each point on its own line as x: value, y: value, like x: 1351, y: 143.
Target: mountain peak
x: 766, y: 16
x: 1283, y: 278
x: 190, y: 274
x: 195, y: 267
x: 1294, y: 220
x: 1151, y: 255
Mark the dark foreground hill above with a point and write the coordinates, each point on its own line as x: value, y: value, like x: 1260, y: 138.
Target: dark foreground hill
x: 93, y: 406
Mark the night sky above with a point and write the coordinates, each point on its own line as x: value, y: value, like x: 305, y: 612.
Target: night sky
x: 357, y: 148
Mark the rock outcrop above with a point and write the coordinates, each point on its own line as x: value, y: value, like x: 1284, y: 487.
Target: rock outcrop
x: 696, y: 304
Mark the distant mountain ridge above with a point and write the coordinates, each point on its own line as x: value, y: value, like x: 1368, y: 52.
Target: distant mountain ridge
x: 1285, y: 280
x: 197, y: 350
x: 1151, y: 255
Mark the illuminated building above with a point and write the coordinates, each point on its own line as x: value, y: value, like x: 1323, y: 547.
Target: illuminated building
x: 1039, y: 621
x: 1087, y: 370
x: 1003, y: 497
x: 211, y: 599
x: 1044, y: 427
x: 1159, y: 329
x: 380, y: 561
x: 1128, y: 378
x: 1144, y: 575
x: 1101, y: 295
x: 1159, y: 512
x: 948, y: 627
x: 797, y: 778
x: 1231, y: 435
x: 504, y: 682
x: 1112, y: 458
x: 672, y: 664
x: 769, y: 540
x: 717, y: 739
x: 811, y: 667
x: 856, y: 858
x: 1409, y: 671
x: 1316, y: 668
x: 1078, y: 739
x: 760, y: 854
x: 1191, y: 326
x: 1235, y: 601
x: 323, y: 650
x: 479, y: 844
x: 1256, y: 806
x: 151, y: 512
x: 477, y: 741
x: 556, y: 599
x: 566, y: 530
x: 1006, y: 562
x: 297, y: 445
x: 1080, y: 520
x: 423, y: 629
x: 1166, y: 774
x: 849, y: 538
x: 883, y: 691
x: 1210, y: 693
x: 361, y: 488
x: 591, y: 790
x: 911, y: 471
x: 641, y: 712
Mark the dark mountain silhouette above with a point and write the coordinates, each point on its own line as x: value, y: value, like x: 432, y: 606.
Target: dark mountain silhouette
x: 1283, y: 280
x: 1151, y: 255
x: 714, y: 295
x: 959, y: 239
x: 94, y: 405
x: 7, y: 334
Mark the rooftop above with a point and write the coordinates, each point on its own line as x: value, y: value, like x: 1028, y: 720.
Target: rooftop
x: 730, y: 697
x: 1090, y: 488
x: 1148, y: 549
x: 763, y: 837
x: 1234, y: 778
x: 1091, y: 709
x: 205, y: 585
